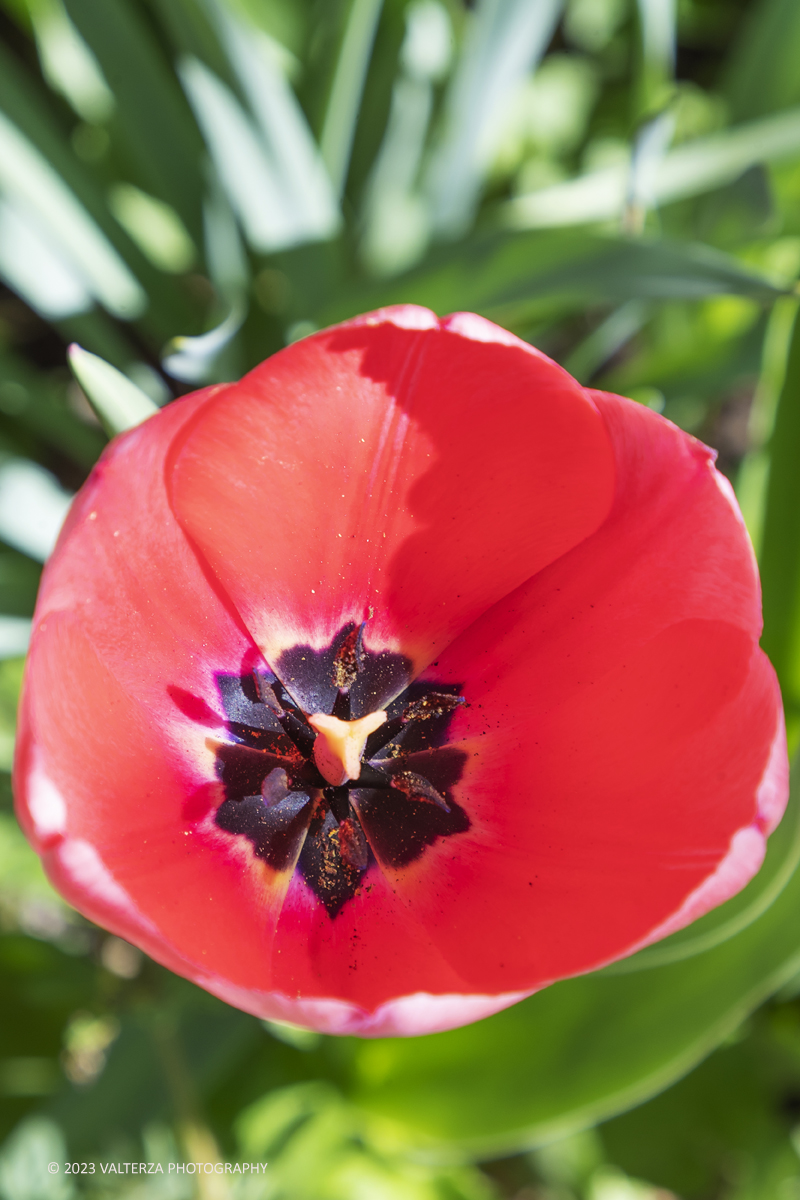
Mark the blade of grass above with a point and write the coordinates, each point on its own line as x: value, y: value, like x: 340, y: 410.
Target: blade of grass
x: 244, y: 170
x: 294, y: 154
x: 118, y: 402
x: 341, y: 116
x: 761, y: 74
x: 161, y: 139
x: 26, y: 176
x: 695, y: 167
x: 506, y: 38
x: 67, y: 62
x: 36, y: 269
x: 780, y: 553
x: 33, y: 506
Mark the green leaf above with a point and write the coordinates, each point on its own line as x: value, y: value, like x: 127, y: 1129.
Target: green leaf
x: 780, y: 551
x: 249, y: 178
x: 579, y: 1051
x: 294, y: 154
x: 155, y: 227
x: 118, y: 402
x: 24, y: 1163
x: 67, y: 62
x: 152, y: 115
x: 505, y: 276
x: 27, y: 177
x: 191, y: 358
x: 693, y: 168
x: 35, y: 266
x: 761, y: 76
x: 19, y: 582
x: 15, y: 634
x: 35, y: 404
x: 505, y: 40
x: 33, y: 505
x: 338, y: 131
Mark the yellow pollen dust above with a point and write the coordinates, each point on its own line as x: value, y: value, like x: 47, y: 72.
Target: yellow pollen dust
x: 340, y: 744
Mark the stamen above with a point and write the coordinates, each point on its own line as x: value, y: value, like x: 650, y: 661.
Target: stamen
x: 417, y: 788
x: 347, y: 662
x: 435, y: 704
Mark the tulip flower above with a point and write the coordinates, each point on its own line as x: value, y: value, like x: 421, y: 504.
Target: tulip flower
x: 398, y: 680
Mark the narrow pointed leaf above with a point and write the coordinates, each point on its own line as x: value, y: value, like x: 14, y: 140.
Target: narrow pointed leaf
x: 506, y: 39
x: 31, y: 181
x: 15, y: 634
x: 504, y: 274
x: 34, y: 265
x: 284, y: 129
x: 691, y: 169
x: 336, y: 141
x: 33, y: 506
x: 118, y: 402
x: 158, y: 133
x: 245, y: 172
x: 780, y: 552
x: 190, y: 358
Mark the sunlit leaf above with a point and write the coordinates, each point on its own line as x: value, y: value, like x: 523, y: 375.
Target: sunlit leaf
x: 780, y: 552
x: 241, y: 161
x: 503, y: 276
x: 30, y: 180
x: 33, y: 506
x: 692, y: 168
x: 396, y: 214
x: 15, y: 634
x: 68, y: 63
x: 154, y: 226
x: 153, y: 121
x: 191, y: 358
x: 24, y: 1161
x: 36, y: 268
x: 296, y: 159
x: 119, y: 403
x: 658, y: 31
x: 336, y: 140
x: 505, y: 39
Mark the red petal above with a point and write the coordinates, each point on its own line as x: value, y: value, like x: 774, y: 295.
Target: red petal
x: 123, y: 792
x: 617, y: 737
x: 123, y: 566
x: 397, y: 464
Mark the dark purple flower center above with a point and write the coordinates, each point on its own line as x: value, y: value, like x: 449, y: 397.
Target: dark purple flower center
x: 275, y: 796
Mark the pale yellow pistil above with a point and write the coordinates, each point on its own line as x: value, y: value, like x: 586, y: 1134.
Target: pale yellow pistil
x: 340, y: 744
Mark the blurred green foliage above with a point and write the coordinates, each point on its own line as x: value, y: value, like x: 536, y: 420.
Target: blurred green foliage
x: 185, y: 187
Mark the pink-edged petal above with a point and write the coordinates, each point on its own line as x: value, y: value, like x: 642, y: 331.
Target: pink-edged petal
x: 594, y: 823
x: 117, y: 815
x: 126, y: 569
x: 619, y: 742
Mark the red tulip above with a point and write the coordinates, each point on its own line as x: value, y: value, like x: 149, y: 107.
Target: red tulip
x: 398, y: 680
